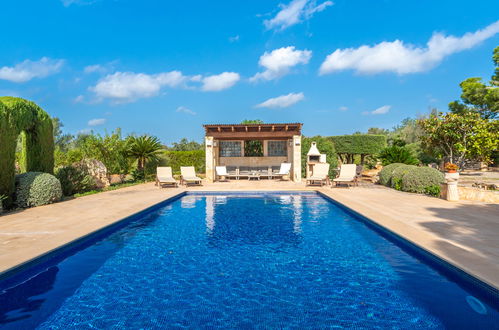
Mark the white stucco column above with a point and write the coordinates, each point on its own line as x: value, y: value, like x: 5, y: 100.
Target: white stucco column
x: 210, y: 158
x: 296, y: 160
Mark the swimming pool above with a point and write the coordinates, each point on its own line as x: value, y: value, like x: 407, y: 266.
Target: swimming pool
x: 242, y: 260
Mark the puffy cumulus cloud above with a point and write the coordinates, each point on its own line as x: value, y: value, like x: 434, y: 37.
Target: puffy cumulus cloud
x: 97, y: 122
x: 295, y: 12
x: 219, y: 82
x: 129, y: 86
x: 401, y: 58
x: 185, y: 110
x: 279, y: 62
x: 282, y: 101
x: 28, y: 70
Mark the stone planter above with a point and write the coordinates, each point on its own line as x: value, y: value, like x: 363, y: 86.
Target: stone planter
x: 451, y: 180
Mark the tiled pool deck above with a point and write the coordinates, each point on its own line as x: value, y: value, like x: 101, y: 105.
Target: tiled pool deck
x: 464, y: 233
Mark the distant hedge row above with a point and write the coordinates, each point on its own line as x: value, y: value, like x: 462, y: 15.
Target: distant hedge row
x: 410, y: 178
x: 347, y: 146
x: 175, y: 159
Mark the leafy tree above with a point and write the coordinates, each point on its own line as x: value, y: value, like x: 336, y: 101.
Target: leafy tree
x: 253, y: 148
x: 495, y: 59
x: 478, y: 97
x: 113, y: 149
x: 186, y: 145
x: 408, y: 131
x: 460, y: 136
x: 110, y: 149
x: 144, y: 149
x: 378, y: 131
x: 61, y: 141
x: 252, y: 121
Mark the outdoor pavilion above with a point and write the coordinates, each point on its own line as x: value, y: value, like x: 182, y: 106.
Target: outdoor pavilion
x: 280, y: 143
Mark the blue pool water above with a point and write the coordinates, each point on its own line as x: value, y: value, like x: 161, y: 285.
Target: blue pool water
x: 242, y: 261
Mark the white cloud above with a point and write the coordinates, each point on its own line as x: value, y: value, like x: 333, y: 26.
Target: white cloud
x: 129, y: 86
x: 79, y: 99
x: 101, y: 68
x: 94, y: 68
x: 185, y: 110
x: 295, y: 12
x: 97, y: 122
x: 28, y: 70
x: 343, y: 108
x: 220, y: 82
x: 379, y: 111
x: 196, y: 78
x: 401, y: 58
x: 279, y: 62
x: 282, y: 101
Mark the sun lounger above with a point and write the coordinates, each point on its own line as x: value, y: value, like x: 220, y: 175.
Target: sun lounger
x: 164, y: 177
x: 283, y: 171
x: 320, y: 175
x: 189, y: 175
x: 348, y: 174
x: 221, y: 172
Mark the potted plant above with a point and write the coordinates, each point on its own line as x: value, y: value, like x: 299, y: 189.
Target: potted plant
x: 451, y: 180
x: 451, y: 168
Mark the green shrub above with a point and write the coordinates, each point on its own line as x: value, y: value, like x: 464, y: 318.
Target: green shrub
x: 175, y: 159
x: 36, y: 188
x: 432, y: 190
x: 138, y: 175
x: 398, y: 154
x: 325, y: 146
x: 423, y: 180
x: 397, y: 175
x: 74, y: 180
x: 385, y: 175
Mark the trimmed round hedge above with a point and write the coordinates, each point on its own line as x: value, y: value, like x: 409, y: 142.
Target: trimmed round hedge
x: 397, y: 175
x: 423, y: 180
x: 36, y: 188
x: 385, y: 175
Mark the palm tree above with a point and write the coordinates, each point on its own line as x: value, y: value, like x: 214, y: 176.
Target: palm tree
x: 144, y: 148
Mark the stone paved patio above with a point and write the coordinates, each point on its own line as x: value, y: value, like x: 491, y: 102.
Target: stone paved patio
x: 463, y: 233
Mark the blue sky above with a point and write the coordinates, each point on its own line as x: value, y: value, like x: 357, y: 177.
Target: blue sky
x: 167, y: 67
